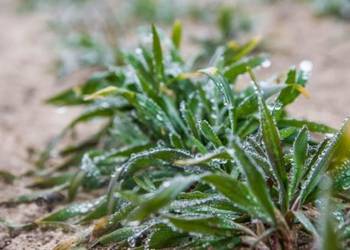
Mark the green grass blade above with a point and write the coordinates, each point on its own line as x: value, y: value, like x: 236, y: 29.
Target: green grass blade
x: 233, y: 189
x: 119, y: 235
x: 74, y: 210
x: 337, y: 151
x: 157, y: 53
x: 290, y: 93
x: 237, y: 69
x: 167, y: 192
x: 203, y: 225
x: 176, y: 34
x: 329, y: 239
x: 227, y: 93
x: 189, y: 118
x: 145, y: 159
x: 236, y: 54
x: 272, y: 142
x: 209, y: 134
x: 206, y: 158
x: 312, y: 126
x: 74, y: 185
x: 256, y: 182
x: 300, y: 151
x: 165, y: 237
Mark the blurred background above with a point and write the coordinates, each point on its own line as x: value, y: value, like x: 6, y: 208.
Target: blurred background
x: 49, y: 45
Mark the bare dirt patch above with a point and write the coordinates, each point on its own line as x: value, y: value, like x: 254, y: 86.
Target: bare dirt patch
x: 26, y: 79
x: 294, y: 34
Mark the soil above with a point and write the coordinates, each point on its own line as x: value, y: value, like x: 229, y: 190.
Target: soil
x: 293, y: 35
x: 292, y: 32
x: 26, y: 124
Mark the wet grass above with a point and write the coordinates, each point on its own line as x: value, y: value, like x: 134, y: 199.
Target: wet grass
x: 184, y: 158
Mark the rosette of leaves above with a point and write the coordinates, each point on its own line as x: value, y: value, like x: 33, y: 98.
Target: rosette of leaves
x: 187, y: 160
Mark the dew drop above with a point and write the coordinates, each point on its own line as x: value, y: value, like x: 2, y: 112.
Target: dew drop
x: 159, y: 117
x: 306, y: 66
x: 61, y: 110
x: 266, y: 64
x: 138, y: 51
x: 166, y: 184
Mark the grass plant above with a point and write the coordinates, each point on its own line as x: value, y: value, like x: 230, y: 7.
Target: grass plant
x: 184, y: 159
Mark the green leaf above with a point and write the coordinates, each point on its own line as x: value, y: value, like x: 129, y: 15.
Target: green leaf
x: 97, y: 213
x: 290, y: 92
x: 317, y: 155
x: 145, y: 183
x: 153, y: 113
x: 155, y: 201
x: 198, y: 145
x: 248, y: 127
x: 93, y: 176
x: 74, y: 184
x: 76, y: 95
x: 129, y: 150
x: 287, y: 132
x: 221, y: 84
x: 164, y: 236
x: 157, y: 53
x: 114, y: 219
x: 74, y: 210
x: 208, y: 132
x: 139, y: 162
x: 177, y: 34
x: 341, y: 176
x: 111, y: 90
x: 147, y: 108
x: 189, y: 118
x: 143, y: 159
x: 218, y: 154
x: 256, y: 181
x: 312, y: 126
x: 116, y: 236
x: 336, y: 152
x: 300, y: 153
x: 100, y: 109
x: 204, y: 225
x: 235, y: 54
x: 237, y: 69
x: 227, y: 93
x: 341, y: 153
x: 176, y: 141
x: 249, y: 105
x: 233, y: 189
x: 225, y: 21
x: 329, y: 239
x: 272, y: 142
x: 148, y: 83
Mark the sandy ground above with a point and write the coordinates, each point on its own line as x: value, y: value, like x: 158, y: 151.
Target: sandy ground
x: 292, y: 35
x: 26, y: 79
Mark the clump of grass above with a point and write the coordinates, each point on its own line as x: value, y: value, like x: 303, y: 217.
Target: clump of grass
x: 337, y: 8
x: 93, y: 32
x: 186, y: 160
x: 30, y: 5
